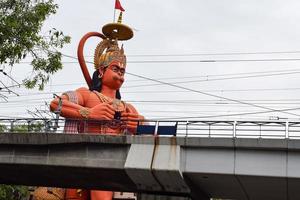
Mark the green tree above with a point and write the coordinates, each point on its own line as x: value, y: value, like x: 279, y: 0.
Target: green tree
x: 20, y: 26
x: 3, y: 128
x: 11, y: 192
x: 18, y: 192
x: 23, y: 127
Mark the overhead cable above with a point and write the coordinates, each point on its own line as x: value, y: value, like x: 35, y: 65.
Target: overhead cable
x: 205, y: 93
x: 216, y: 79
x: 3, y: 72
x: 214, y: 54
x: 213, y: 95
x: 199, y: 61
x: 224, y: 115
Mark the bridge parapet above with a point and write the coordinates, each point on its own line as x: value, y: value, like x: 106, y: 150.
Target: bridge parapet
x: 197, y: 166
x: 222, y: 129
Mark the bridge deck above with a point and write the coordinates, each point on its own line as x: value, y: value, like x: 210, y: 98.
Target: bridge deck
x: 232, y: 168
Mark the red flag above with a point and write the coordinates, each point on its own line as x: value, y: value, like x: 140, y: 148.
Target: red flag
x: 118, y: 5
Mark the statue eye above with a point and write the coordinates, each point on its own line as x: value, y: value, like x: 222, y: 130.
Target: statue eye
x: 115, y: 68
x: 118, y: 69
x: 122, y: 71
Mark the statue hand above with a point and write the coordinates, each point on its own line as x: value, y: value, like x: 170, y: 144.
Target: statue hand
x: 131, y: 119
x: 102, y: 111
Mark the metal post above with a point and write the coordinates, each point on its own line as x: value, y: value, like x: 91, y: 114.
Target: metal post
x: 57, y: 112
x: 186, y: 128
x: 156, y: 127
x: 12, y: 126
x: 28, y: 126
x: 286, y: 129
x: 234, y: 129
x: 47, y: 126
x: 259, y: 130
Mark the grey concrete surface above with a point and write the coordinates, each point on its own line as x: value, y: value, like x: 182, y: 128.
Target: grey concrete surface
x: 229, y: 168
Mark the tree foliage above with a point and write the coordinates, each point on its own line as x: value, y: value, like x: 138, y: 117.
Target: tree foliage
x: 11, y: 192
x: 34, y: 127
x: 20, y: 26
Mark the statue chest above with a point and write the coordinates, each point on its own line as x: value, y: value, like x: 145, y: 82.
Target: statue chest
x: 98, y: 98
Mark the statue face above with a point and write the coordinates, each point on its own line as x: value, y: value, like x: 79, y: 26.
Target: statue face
x: 113, y: 75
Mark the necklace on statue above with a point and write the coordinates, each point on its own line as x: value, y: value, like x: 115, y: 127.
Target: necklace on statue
x: 117, y: 104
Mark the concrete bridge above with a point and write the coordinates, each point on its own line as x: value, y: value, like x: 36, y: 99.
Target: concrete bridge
x: 190, y: 167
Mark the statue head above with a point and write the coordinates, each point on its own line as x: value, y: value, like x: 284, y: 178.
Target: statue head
x: 110, y: 65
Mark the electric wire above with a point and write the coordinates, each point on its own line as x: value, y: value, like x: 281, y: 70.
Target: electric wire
x: 213, y: 61
x: 223, y: 115
x: 214, y: 54
x: 175, y: 91
x: 9, y: 90
x: 11, y: 78
x: 182, y: 101
x: 217, y: 75
x: 202, y: 80
x: 197, y: 61
x: 195, y: 81
x: 207, y: 94
x: 213, y: 95
x: 210, y: 54
x: 216, y: 79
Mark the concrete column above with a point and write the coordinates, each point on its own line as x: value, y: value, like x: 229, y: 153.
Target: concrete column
x: 138, y: 167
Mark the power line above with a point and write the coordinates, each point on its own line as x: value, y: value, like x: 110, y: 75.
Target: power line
x: 205, y: 93
x: 9, y: 90
x: 212, y: 95
x: 177, y: 101
x: 175, y: 91
x: 224, y: 115
x: 4, y: 97
x: 217, y: 79
x: 207, y: 76
x: 197, y: 61
x: 215, y: 54
x: 214, y: 61
x: 225, y: 90
x: 211, y: 54
x: 228, y: 74
x: 3, y: 72
x: 197, y: 81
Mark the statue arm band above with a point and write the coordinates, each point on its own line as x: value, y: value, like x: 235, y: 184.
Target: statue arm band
x: 72, y: 96
x: 84, y: 112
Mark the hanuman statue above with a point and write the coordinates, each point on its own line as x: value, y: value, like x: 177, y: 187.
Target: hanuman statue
x: 101, y: 101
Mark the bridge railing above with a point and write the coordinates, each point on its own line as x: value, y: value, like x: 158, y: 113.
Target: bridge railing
x: 241, y: 129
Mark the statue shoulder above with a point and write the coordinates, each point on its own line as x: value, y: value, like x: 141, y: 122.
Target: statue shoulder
x: 83, y: 95
x: 83, y: 90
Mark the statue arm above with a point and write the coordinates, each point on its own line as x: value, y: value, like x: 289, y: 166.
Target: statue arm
x: 69, y: 109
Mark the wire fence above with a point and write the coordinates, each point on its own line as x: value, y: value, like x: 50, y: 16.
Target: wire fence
x: 224, y: 129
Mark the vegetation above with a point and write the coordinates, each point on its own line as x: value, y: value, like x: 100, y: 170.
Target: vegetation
x: 10, y: 192
x: 20, y: 25
x: 3, y: 128
x: 23, y: 127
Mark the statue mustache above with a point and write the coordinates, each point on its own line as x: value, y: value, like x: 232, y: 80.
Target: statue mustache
x: 116, y: 78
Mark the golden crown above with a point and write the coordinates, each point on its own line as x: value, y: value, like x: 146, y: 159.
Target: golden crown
x: 108, y: 51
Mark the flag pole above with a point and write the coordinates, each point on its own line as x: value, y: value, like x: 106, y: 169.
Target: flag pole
x: 114, y: 15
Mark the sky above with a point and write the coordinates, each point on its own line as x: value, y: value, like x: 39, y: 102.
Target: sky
x: 199, y: 59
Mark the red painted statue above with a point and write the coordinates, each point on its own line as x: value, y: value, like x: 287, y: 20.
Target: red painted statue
x: 102, y: 100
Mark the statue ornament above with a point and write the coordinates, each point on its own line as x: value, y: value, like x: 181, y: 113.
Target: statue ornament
x: 101, y: 101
